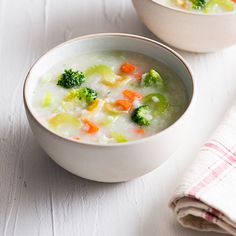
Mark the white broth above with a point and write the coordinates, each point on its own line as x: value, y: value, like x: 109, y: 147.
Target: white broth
x: 119, y: 96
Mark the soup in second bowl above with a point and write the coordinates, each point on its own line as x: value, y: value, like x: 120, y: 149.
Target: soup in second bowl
x: 205, y: 6
x: 109, y: 97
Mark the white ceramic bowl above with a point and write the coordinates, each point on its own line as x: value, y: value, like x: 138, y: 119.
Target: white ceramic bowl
x: 186, y: 30
x: 112, y: 162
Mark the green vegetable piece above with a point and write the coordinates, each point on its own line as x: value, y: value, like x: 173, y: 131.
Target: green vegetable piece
x: 47, y: 99
x: 70, y: 79
x: 72, y: 96
x: 142, y: 115
x: 225, y: 4
x: 152, y: 78
x: 103, y: 70
x: 198, y: 4
x: 87, y: 95
x: 120, y: 138
x: 157, y: 102
x: 63, y: 118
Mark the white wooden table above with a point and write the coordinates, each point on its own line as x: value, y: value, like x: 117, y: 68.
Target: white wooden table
x: 37, y: 197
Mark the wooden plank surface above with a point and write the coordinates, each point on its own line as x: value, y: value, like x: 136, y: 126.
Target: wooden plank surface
x: 37, y: 197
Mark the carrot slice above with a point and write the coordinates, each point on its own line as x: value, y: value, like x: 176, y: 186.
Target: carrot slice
x: 127, y: 68
x: 138, y: 75
x: 124, y: 104
x: 92, y: 127
x: 132, y: 95
x: 77, y: 138
x: 139, y: 131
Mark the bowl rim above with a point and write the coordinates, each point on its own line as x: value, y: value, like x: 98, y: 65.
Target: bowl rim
x: 191, y: 12
x: 94, y: 36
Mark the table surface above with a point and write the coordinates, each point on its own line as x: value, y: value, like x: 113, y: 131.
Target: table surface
x: 37, y: 197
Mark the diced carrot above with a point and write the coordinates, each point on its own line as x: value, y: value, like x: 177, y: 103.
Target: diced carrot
x: 127, y: 68
x: 77, y: 138
x: 234, y: 1
x: 138, y: 75
x: 92, y: 127
x: 132, y: 95
x: 139, y: 131
x: 124, y: 104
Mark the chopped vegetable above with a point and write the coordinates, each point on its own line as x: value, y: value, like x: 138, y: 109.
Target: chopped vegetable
x: 111, y: 109
x: 108, y: 76
x: 87, y: 95
x: 103, y: 70
x: 225, y: 4
x: 72, y: 95
x: 142, y: 115
x: 152, y: 78
x: 127, y: 68
x: 120, y: 138
x: 63, y: 118
x: 157, y: 101
x: 124, y: 104
x: 115, y: 82
x: 199, y: 4
x: 139, y: 131
x: 77, y: 138
x: 92, y: 127
x: 70, y: 79
x: 138, y: 73
x: 47, y: 99
x: 94, y: 105
x: 132, y: 95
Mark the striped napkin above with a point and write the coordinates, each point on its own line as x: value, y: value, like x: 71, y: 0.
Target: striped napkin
x: 205, y: 200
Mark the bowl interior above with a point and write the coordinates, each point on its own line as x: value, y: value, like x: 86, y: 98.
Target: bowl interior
x: 101, y: 42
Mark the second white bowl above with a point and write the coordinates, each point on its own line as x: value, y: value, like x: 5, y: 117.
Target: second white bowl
x: 190, y: 31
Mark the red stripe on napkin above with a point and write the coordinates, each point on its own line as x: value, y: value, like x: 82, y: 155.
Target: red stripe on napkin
x: 226, y: 159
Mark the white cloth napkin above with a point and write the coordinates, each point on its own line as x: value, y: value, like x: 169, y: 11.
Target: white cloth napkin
x: 206, y: 198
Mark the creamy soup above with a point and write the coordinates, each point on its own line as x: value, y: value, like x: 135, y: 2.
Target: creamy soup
x: 109, y: 97
x: 206, y: 6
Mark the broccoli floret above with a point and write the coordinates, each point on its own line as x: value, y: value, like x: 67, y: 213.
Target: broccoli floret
x: 142, y: 115
x: 198, y: 4
x: 87, y: 94
x: 70, y: 79
x: 152, y: 78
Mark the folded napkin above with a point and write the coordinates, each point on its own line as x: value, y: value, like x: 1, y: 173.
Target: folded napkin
x: 206, y: 198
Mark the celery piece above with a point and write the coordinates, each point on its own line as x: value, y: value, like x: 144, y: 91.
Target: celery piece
x: 225, y: 4
x: 64, y: 118
x: 47, y: 99
x: 103, y: 70
x: 120, y: 138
